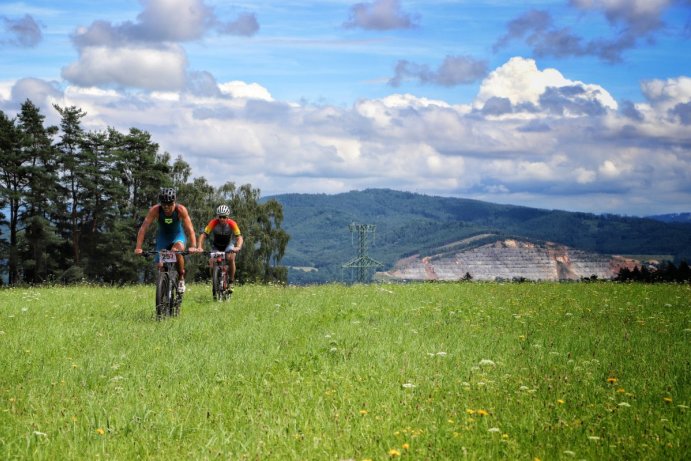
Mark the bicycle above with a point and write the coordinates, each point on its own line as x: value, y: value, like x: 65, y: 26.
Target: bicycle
x: 168, y: 298
x: 219, y: 276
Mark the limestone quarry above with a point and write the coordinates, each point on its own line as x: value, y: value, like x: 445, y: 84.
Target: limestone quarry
x: 507, y: 259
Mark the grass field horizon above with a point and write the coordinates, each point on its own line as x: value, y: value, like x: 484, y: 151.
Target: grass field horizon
x: 333, y: 372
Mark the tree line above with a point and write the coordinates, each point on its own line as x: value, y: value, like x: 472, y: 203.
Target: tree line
x: 666, y: 273
x: 72, y: 200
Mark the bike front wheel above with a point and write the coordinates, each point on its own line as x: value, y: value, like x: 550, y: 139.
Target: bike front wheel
x: 163, y: 295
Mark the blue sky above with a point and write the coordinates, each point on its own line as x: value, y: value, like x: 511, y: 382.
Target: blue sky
x: 570, y: 104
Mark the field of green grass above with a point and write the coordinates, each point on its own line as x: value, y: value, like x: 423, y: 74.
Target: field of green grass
x: 420, y: 371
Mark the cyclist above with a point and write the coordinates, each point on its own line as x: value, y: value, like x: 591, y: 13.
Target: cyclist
x: 173, y: 223
x: 224, y: 230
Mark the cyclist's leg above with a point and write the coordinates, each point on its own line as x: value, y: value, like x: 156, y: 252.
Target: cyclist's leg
x: 230, y: 254
x: 179, y: 245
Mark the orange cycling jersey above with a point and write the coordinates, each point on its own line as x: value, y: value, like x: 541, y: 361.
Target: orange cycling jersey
x: 223, y: 231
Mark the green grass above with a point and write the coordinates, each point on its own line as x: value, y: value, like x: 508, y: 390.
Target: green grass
x: 424, y: 371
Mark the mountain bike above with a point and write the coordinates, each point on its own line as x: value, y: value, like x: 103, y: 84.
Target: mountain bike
x: 220, y: 285
x: 168, y: 298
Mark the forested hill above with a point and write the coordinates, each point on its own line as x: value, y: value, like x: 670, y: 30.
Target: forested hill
x: 408, y: 223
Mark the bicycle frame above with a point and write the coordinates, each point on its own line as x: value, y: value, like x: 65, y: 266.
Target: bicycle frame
x: 168, y: 299
x: 219, y: 275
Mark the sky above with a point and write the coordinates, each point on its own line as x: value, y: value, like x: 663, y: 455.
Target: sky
x: 579, y: 105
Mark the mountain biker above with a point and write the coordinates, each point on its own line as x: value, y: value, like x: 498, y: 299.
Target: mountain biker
x: 173, y: 218
x: 224, y: 230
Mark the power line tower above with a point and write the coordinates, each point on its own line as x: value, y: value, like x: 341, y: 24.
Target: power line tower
x: 362, y: 264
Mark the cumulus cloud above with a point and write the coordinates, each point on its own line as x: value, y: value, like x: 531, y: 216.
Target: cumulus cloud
x: 531, y: 134
x: 455, y: 70
x: 530, y: 90
x: 128, y: 54
x: 380, y: 15
x: 632, y: 22
x: 24, y: 32
x: 161, y: 68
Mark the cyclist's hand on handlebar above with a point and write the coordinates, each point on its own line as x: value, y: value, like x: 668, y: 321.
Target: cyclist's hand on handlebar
x: 194, y: 250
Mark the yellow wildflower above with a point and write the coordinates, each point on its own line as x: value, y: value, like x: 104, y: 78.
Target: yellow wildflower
x: 100, y: 431
x: 612, y: 380
x: 406, y: 446
x: 667, y: 399
x: 483, y: 412
x: 394, y: 453
x: 470, y: 412
x: 621, y: 390
x: 561, y: 402
x: 363, y: 412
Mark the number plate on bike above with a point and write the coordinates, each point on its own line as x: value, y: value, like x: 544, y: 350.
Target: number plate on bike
x: 168, y: 257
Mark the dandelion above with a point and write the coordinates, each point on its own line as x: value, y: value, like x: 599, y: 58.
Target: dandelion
x: 394, y: 453
x: 612, y: 380
x: 621, y: 390
x: 100, y: 431
x: 667, y: 399
x: 470, y: 412
x: 561, y: 402
x: 406, y: 446
x: 363, y: 412
x: 483, y: 412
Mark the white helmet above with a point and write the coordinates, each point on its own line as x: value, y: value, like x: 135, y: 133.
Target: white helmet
x: 223, y: 210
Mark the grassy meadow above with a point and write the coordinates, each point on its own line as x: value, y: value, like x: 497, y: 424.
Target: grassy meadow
x: 438, y: 371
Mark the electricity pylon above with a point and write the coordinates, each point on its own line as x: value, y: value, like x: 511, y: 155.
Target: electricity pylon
x: 362, y: 264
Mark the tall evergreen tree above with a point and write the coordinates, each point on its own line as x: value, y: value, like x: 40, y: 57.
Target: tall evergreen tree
x: 36, y: 144
x: 14, y: 185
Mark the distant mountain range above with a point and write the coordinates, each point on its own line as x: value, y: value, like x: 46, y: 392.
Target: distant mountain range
x: 673, y: 217
x: 409, y: 224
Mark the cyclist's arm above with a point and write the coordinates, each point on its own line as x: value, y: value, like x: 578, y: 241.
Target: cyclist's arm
x: 238, y: 243
x: 200, y: 241
x: 187, y: 225
x: 150, y: 216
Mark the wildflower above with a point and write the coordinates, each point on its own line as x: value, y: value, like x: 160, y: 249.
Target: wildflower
x: 483, y: 412
x: 621, y: 390
x: 406, y: 446
x: 611, y: 380
x: 561, y: 402
x: 363, y: 412
x: 667, y: 399
x: 470, y: 412
x: 394, y: 453
x: 100, y: 431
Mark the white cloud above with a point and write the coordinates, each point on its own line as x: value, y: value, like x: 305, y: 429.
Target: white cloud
x: 149, y: 68
x: 239, y: 89
x: 665, y: 94
x: 520, y: 81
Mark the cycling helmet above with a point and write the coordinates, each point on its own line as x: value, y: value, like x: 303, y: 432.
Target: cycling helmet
x: 223, y: 210
x: 167, y: 195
